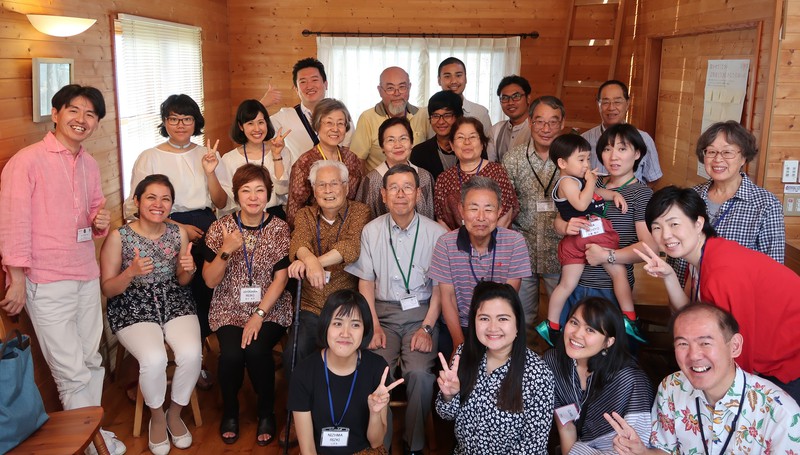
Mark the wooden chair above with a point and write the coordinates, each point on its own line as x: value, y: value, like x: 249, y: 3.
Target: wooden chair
x: 66, y: 432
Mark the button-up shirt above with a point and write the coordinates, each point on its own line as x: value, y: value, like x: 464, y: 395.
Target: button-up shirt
x: 365, y: 139
x: 506, y: 137
x: 649, y: 169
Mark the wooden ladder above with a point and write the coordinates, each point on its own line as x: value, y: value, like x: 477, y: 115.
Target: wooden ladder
x: 589, y: 58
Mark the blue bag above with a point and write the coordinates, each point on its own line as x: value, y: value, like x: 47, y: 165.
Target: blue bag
x: 21, y: 407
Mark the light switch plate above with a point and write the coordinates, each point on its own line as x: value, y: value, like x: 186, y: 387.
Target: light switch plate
x: 789, y: 174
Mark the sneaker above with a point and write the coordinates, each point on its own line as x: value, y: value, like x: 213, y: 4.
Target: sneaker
x: 204, y: 382
x: 114, y: 445
x: 633, y: 329
x: 549, y: 335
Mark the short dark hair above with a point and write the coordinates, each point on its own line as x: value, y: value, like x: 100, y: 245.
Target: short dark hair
x: 734, y: 133
x: 686, y: 199
x: 67, y: 93
x: 344, y: 302
x: 514, y: 79
x: 614, y: 82
x: 547, y: 100
x: 478, y: 127
x: 726, y: 321
x: 392, y: 121
x: 509, y: 398
x: 309, y: 62
x: 327, y: 106
x: 628, y: 133
x: 480, y: 182
x: 446, y: 100
x: 152, y: 179
x: 183, y: 105
x: 565, y: 145
x: 248, y: 173
x: 450, y: 61
x: 248, y: 110
x: 400, y: 169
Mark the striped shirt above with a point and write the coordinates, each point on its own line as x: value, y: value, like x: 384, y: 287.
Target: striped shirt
x: 637, y: 195
x: 456, y: 263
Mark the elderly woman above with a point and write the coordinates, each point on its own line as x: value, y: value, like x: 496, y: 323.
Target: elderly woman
x: 469, y: 144
x: 754, y: 288
x: 435, y: 155
x: 246, y: 261
x: 145, y: 266
x: 331, y: 121
x: 259, y: 144
x: 594, y: 374
x: 737, y: 208
x: 499, y: 392
x: 395, y: 137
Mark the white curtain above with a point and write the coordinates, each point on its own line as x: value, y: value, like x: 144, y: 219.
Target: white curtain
x: 353, y: 66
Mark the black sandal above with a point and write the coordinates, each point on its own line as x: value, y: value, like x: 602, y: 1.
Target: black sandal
x: 230, y: 425
x: 266, y: 425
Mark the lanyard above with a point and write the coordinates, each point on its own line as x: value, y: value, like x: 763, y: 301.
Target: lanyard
x: 625, y: 185
x: 319, y: 149
x: 494, y: 256
x: 458, y: 168
x: 544, y: 188
x: 406, y: 279
x: 733, y: 424
x: 699, y: 270
x: 339, y: 231
x: 249, y: 263
x: 72, y: 186
x: 349, y: 396
x: 722, y: 216
x: 575, y: 388
x: 263, y: 152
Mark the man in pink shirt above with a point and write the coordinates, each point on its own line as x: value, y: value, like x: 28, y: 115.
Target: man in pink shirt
x: 51, y: 207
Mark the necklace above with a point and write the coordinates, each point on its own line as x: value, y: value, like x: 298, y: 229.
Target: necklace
x: 179, y: 147
x: 473, y: 170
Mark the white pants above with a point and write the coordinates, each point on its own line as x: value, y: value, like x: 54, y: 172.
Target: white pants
x: 67, y: 317
x: 145, y: 341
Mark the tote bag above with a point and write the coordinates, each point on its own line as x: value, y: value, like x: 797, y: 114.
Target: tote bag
x: 21, y: 407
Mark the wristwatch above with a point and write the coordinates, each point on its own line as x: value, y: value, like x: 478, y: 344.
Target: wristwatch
x: 225, y: 256
x: 611, y: 258
x: 427, y: 329
x: 260, y: 312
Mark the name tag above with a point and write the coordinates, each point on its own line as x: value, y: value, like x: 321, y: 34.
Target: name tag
x: 409, y: 302
x: 334, y: 437
x: 250, y: 294
x: 595, y: 228
x: 545, y: 205
x: 84, y: 234
x: 327, y: 277
x: 567, y: 414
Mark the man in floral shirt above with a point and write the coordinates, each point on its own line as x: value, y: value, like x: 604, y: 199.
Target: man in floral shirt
x: 712, y: 405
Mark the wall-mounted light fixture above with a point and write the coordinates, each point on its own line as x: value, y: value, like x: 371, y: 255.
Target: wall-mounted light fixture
x: 60, y: 25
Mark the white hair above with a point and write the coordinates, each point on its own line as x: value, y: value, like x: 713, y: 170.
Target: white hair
x: 322, y: 164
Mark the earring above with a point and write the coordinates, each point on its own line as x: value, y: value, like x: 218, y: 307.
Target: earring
x: 604, y: 352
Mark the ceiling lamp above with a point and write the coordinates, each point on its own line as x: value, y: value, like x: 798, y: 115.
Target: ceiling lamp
x: 60, y: 25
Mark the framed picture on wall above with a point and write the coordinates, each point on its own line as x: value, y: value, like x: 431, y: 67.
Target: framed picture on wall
x: 49, y: 75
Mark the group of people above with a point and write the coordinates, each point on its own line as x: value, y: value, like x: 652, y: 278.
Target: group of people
x: 419, y: 239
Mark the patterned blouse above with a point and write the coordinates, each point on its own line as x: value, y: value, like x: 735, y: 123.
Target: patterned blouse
x: 769, y: 420
x: 447, y: 193
x: 269, y: 243
x: 155, y: 297
x: 369, y: 192
x: 300, y: 192
x: 482, y: 428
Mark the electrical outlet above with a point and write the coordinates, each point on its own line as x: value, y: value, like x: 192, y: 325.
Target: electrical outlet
x: 789, y: 174
x: 791, y: 200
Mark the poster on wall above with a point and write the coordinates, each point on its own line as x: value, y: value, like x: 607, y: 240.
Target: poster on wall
x: 726, y: 87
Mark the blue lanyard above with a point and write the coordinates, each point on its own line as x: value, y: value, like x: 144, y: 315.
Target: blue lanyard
x: 339, y: 231
x: 249, y: 263
x: 494, y: 256
x: 458, y: 169
x: 349, y: 396
x: 263, y: 152
x: 722, y: 216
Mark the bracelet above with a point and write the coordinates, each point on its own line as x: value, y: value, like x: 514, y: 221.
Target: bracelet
x: 277, y: 159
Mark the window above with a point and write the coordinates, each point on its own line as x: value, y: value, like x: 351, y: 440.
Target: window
x: 154, y: 59
x: 353, y: 66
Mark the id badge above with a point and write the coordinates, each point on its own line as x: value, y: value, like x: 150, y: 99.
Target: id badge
x: 250, y: 294
x: 327, y: 277
x: 545, y: 205
x: 409, y: 302
x: 567, y: 414
x: 84, y: 234
x: 595, y: 228
x: 334, y: 437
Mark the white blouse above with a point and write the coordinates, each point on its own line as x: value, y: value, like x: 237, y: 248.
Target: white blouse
x: 233, y: 160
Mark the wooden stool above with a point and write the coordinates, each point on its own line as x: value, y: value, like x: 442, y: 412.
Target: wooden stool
x: 66, y: 432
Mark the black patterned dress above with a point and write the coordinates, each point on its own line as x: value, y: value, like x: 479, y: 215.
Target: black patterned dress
x: 156, y: 297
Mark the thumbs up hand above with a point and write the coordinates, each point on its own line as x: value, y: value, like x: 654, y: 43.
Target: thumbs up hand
x: 187, y: 261
x: 140, y: 265
x: 102, y: 220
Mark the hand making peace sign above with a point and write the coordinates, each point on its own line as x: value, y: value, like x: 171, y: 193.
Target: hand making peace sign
x: 278, y: 144
x: 210, y: 160
x: 448, y: 380
x: 379, y: 399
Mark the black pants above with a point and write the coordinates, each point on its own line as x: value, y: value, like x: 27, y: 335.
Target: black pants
x: 257, y: 357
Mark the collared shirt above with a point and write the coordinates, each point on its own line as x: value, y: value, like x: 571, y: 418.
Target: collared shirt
x: 233, y: 160
x: 344, y: 236
x: 506, y: 136
x: 479, y: 112
x: 365, y: 139
x: 298, y: 141
x: 377, y: 260
x: 769, y: 421
x: 649, y: 169
x: 537, y: 227
x: 506, y: 259
x: 46, y: 195
x: 369, y: 192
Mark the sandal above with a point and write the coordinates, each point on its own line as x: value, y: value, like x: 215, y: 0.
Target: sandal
x: 230, y: 425
x: 266, y: 426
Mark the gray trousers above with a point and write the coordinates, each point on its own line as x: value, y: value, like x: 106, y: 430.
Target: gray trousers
x: 417, y: 367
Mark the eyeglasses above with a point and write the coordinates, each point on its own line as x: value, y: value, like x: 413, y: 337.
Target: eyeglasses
x: 392, y: 141
x: 471, y: 138
x: 508, y: 98
x: 616, y: 102
x: 334, y: 185
x: 408, y: 190
x: 447, y: 116
x: 394, y: 90
x: 330, y: 125
x: 187, y: 121
x: 553, y: 124
x: 727, y: 154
